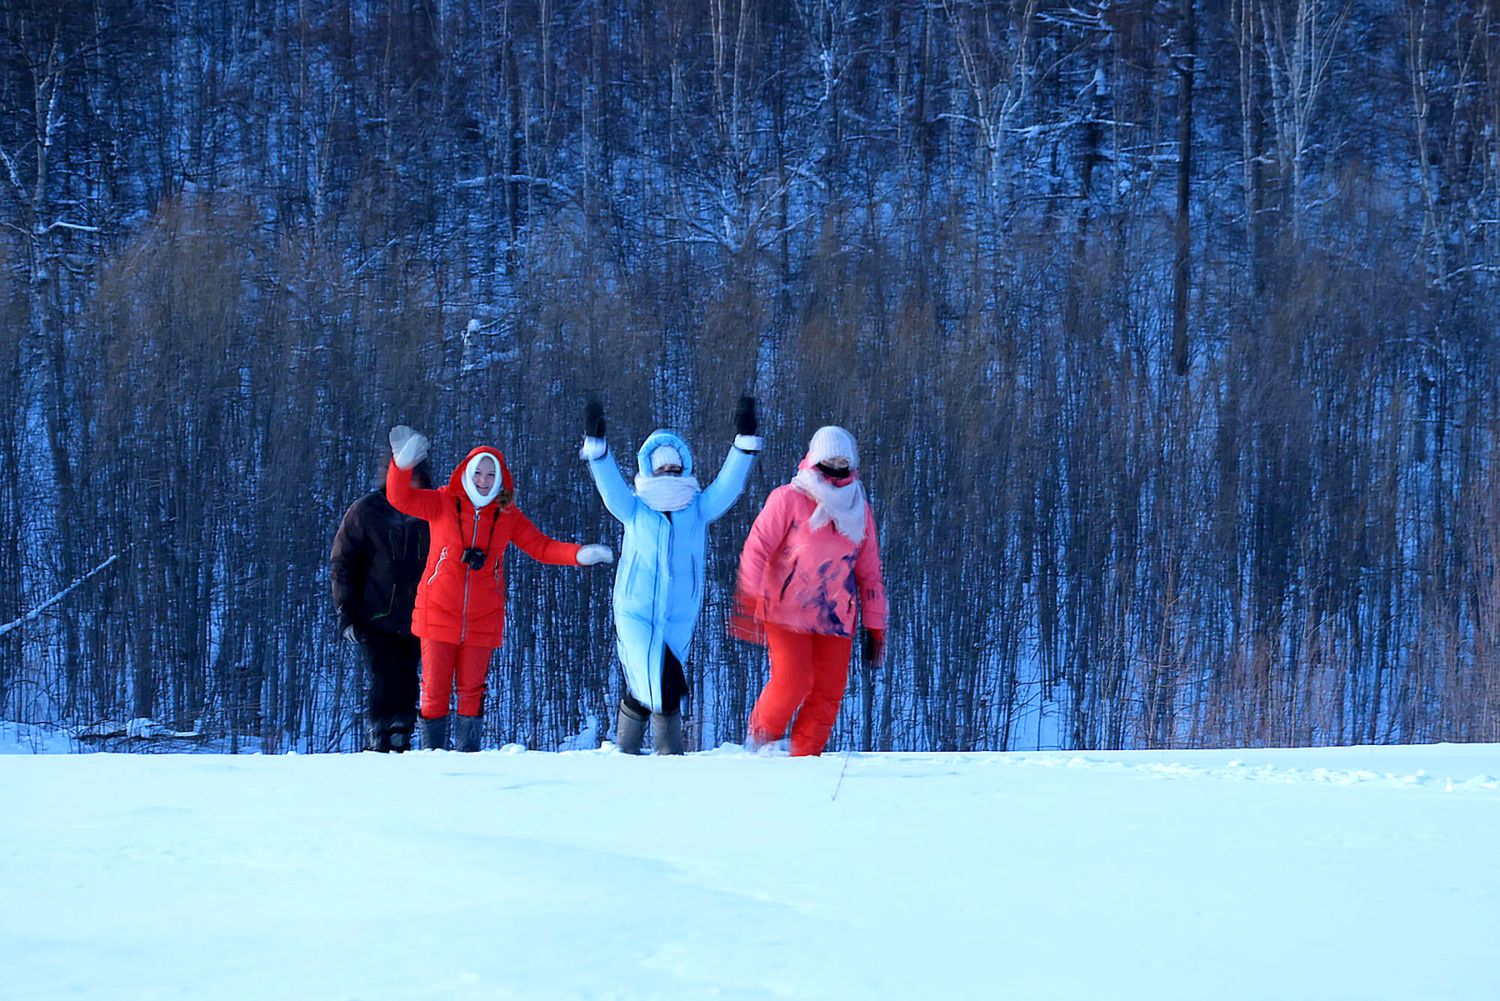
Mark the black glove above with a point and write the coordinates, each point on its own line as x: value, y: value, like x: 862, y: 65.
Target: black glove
x: 593, y: 419
x: 872, y: 645
x: 744, y: 416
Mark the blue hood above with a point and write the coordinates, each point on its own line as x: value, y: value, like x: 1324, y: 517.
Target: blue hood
x: 656, y: 439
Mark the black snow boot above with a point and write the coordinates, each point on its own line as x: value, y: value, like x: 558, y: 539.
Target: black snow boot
x: 400, y: 733
x: 435, y: 734
x: 666, y: 732
x: 466, y: 733
x: 630, y: 728
x: 378, y: 735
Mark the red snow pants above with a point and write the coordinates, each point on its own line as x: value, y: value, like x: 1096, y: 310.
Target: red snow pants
x: 808, y: 674
x: 440, y: 663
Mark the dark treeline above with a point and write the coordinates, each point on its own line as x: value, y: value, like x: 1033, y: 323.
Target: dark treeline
x: 1166, y: 328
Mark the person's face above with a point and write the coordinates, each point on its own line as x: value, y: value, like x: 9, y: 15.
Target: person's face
x: 484, y: 475
x: 670, y: 469
x: 835, y: 468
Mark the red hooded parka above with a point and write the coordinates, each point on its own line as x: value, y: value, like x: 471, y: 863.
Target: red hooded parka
x: 456, y: 604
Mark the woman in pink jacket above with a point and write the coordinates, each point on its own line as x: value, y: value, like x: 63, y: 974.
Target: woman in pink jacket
x: 811, y: 558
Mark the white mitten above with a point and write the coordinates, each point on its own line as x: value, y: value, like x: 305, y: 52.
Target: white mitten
x: 594, y: 553
x: 407, y: 447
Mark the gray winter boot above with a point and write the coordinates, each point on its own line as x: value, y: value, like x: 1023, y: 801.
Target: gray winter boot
x: 630, y: 730
x: 435, y: 734
x: 666, y: 733
x: 466, y: 733
x: 378, y: 735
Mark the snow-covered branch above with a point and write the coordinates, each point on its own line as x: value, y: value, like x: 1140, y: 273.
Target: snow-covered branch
x: 61, y: 224
x: 59, y: 596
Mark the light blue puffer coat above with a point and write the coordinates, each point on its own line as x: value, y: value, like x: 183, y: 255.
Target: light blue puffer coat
x: 659, y: 582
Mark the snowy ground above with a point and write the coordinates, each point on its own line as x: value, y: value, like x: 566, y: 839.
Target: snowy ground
x: 1334, y: 875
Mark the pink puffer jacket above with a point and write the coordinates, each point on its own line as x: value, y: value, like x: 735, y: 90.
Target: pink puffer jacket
x: 807, y: 579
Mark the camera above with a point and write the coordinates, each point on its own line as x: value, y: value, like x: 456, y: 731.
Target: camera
x: 474, y: 558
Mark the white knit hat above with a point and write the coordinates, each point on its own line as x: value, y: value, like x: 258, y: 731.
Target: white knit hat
x: 665, y: 455
x: 832, y: 442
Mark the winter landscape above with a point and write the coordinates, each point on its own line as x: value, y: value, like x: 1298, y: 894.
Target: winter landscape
x: 1078, y: 420
x: 1340, y: 874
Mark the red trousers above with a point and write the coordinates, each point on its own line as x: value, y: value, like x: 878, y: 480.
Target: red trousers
x: 808, y: 674
x: 440, y: 663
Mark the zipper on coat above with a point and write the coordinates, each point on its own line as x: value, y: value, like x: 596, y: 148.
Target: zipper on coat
x: 463, y: 618
x: 439, y: 567
x: 657, y: 614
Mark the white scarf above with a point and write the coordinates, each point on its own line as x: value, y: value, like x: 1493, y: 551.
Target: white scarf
x: 844, y: 506
x: 666, y: 493
x: 476, y: 498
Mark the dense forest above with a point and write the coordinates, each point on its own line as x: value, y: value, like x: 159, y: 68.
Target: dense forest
x: 1167, y: 329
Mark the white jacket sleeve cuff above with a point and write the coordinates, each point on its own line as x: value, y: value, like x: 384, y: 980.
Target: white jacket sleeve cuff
x: 751, y: 443
x: 593, y: 448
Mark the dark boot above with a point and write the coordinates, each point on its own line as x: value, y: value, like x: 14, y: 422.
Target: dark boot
x: 435, y: 734
x: 666, y: 733
x: 466, y: 733
x: 630, y: 728
x: 400, y: 734
x: 378, y: 735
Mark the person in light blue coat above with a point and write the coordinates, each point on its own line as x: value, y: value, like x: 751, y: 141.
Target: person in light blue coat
x: 659, y: 583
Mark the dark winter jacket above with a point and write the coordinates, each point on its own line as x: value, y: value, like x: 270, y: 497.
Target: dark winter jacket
x: 378, y: 555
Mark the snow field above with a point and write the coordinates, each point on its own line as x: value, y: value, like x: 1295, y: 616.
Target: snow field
x: 1329, y: 874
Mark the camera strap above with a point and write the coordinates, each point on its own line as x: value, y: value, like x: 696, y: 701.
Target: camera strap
x: 458, y: 514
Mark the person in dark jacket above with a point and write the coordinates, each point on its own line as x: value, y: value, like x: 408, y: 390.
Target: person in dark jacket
x: 378, y: 555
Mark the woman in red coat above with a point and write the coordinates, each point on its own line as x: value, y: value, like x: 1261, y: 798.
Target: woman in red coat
x: 460, y: 610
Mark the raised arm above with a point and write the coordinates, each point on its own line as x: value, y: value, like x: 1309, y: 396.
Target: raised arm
x: 720, y: 495
x: 619, y: 499
x: 408, y: 448
x: 425, y: 504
